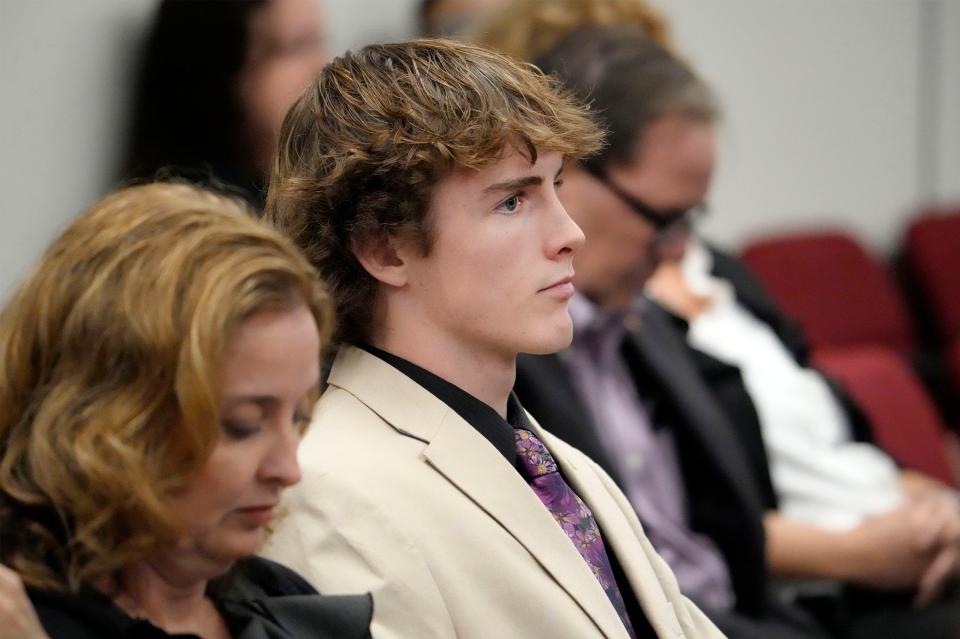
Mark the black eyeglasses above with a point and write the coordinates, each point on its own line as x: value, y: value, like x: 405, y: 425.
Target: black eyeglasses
x: 666, y: 222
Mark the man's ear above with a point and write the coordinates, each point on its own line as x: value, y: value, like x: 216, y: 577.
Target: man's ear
x: 383, y: 259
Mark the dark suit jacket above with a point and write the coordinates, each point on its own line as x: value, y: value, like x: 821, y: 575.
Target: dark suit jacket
x: 720, y: 477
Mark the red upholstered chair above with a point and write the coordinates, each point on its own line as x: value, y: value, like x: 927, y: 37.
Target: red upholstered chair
x: 906, y: 422
x: 953, y: 362
x: 932, y: 253
x: 838, y: 293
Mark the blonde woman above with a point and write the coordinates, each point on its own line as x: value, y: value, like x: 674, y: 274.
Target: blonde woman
x: 156, y: 372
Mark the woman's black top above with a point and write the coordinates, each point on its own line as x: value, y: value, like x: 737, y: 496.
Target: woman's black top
x: 258, y: 599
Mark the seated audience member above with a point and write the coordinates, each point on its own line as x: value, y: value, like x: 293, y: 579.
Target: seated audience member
x: 826, y: 472
x: 450, y: 18
x: 215, y: 80
x: 421, y: 178
x: 524, y: 29
x: 637, y: 393
x: 621, y: 392
x: 158, y: 368
x: 824, y: 469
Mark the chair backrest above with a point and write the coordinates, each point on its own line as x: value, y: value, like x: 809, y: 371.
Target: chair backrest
x: 837, y: 292
x: 953, y: 363
x: 932, y: 253
x: 905, y: 420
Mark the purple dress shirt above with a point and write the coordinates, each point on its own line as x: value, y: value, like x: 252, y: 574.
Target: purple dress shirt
x: 645, y: 457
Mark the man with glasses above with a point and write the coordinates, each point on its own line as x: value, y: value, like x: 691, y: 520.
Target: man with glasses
x: 664, y: 222
x: 625, y: 391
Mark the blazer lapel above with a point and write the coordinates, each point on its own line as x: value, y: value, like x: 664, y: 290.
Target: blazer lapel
x: 484, y: 476
x: 464, y: 458
x: 620, y: 539
x: 315, y: 616
x: 658, y: 344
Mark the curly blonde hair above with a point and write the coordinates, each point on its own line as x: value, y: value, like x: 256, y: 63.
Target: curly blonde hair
x: 109, y: 372
x: 362, y: 149
x: 525, y: 29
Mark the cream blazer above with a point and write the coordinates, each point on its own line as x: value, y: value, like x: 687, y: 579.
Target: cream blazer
x: 402, y: 498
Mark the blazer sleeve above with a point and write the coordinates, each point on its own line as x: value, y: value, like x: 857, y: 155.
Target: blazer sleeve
x: 692, y: 620
x: 349, y: 545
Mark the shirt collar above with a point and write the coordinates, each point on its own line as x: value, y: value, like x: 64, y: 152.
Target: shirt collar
x: 586, y: 315
x: 588, y: 318
x: 697, y: 265
x: 487, y: 422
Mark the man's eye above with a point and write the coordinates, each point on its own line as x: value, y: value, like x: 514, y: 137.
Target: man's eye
x: 511, y: 204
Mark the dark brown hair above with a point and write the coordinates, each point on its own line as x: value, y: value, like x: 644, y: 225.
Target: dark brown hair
x: 630, y: 80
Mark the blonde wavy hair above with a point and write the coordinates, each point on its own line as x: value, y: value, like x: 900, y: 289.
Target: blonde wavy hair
x: 525, y: 29
x: 362, y: 149
x: 110, y: 374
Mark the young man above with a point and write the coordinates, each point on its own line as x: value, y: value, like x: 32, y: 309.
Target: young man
x: 421, y: 179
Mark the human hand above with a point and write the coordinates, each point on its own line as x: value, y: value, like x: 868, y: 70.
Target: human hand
x: 916, y: 485
x: 18, y: 619
x: 940, y: 514
x: 669, y: 287
x: 896, y: 550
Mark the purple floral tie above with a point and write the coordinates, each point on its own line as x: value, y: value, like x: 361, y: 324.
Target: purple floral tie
x: 571, y: 513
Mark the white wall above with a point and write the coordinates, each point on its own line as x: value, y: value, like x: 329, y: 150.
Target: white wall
x: 64, y: 75
x: 355, y: 23
x: 825, y: 103
x: 948, y: 177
